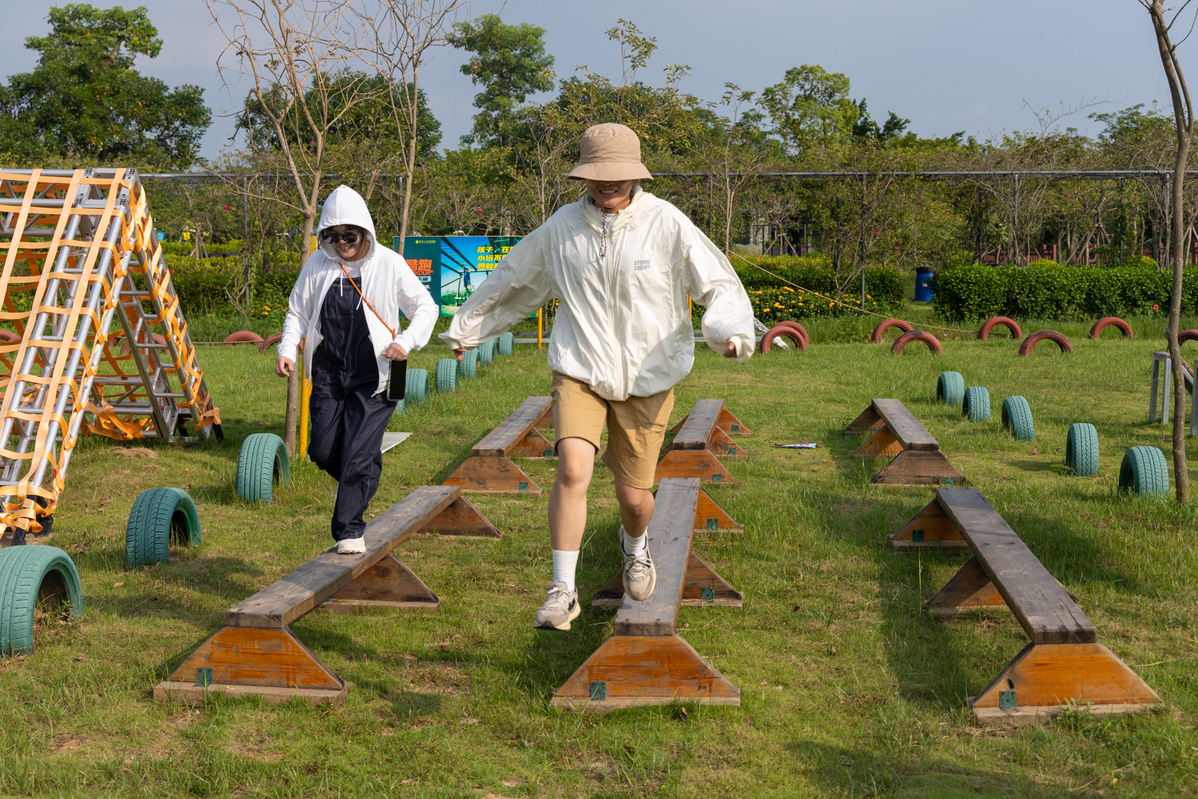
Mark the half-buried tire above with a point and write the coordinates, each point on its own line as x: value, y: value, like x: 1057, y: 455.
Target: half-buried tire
x: 1144, y: 472
x: 261, y: 461
x: 158, y: 518
x: 33, y: 579
x: 1081, y: 449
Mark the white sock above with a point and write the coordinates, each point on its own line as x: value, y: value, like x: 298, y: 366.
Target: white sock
x: 632, y: 546
x: 564, y: 565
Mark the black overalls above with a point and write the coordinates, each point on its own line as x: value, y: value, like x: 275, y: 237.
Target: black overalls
x: 347, y: 417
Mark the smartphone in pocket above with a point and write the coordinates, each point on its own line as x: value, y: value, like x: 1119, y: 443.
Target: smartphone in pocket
x: 397, y: 380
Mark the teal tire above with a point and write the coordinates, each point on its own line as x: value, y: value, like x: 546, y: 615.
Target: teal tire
x: 34, y: 578
x: 1081, y: 449
x: 468, y: 366
x: 1144, y: 472
x: 486, y: 352
x: 976, y: 404
x: 261, y: 461
x: 950, y: 389
x: 506, y: 341
x: 447, y: 375
x: 158, y: 518
x: 416, y: 390
x: 1017, y: 417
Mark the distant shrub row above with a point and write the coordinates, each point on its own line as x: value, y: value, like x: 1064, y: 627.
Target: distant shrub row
x: 1045, y: 290
x: 789, y: 295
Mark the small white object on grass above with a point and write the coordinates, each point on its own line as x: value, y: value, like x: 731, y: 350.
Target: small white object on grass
x: 797, y: 446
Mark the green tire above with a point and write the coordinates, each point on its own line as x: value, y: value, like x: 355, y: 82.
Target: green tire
x: 262, y: 460
x: 447, y: 375
x: 33, y: 577
x: 1081, y: 449
x: 468, y: 366
x: 159, y: 516
x: 1144, y: 472
x: 506, y: 341
x: 950, y: 389
x: 486, y: 352
x: 1017, y: 417
x: 976, y: 404
x: 417, y: 386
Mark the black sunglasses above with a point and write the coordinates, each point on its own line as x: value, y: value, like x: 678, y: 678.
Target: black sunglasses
x: 349, y: 237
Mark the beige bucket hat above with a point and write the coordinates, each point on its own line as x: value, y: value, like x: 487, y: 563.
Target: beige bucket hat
x: 610, y: 151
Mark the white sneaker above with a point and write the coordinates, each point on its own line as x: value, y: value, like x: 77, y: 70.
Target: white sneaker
x: 640, y: 575
x: 351, y: 546
x: 560, y: 608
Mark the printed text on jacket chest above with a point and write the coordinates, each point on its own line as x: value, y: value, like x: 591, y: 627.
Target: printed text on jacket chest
x: 641, y: 265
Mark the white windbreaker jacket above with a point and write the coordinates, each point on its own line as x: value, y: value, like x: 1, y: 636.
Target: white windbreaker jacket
x: 387, y: 282
x: 623, y: 325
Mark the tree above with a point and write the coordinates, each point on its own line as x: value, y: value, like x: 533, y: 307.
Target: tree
x: 511, y: 63
x: 84, y: 100
x: 811, y: 109
x: 1183, y: 118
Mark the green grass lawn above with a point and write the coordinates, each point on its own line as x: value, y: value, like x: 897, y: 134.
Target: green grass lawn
x: 848, y: 687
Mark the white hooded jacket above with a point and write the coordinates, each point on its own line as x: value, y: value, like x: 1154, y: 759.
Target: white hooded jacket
x: 623, y: 325
x: 387, y: 282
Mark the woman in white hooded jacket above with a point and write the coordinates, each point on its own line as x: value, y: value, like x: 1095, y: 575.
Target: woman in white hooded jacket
x: 622, y: 264
x: 345, y: 306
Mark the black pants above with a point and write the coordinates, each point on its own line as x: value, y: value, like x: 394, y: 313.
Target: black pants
x: 347, y: 419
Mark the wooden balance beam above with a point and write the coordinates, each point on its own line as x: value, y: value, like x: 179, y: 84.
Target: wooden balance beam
x: 490, y: 469
x: 700, y: 440
x: 896, y: 432
x: 256, y: 653
x: 645, y: 661
x: 1064, y: 665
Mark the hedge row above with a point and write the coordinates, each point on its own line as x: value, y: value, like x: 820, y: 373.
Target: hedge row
x: 1056, y: 292
x: 789, y: 295
x: 216, y: 286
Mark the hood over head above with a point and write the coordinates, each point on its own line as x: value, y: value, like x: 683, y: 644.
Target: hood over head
x: 344, y: 206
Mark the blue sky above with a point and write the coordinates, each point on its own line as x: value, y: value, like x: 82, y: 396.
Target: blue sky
x: 947, y: 65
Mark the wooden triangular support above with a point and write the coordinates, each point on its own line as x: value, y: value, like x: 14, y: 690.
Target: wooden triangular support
x: 1045, y: 679
x: 533, y: 445
x: 631, y: 670
x: 881, y: 443
x: 722, y: 446
x: 711, y: 518
x: 919, y: 467
x: 692, y: 463
x: 970, y: 587
x: 730, y: 424
x: 389, y: 583
x: 249, y: 660
x: 866, y: 421
x: 460, y: 517
x: 702, y: 588
x: 492, y: 475
x: 931, y: 527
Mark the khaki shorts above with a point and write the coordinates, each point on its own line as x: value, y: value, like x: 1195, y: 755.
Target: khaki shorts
x: 636, y: 427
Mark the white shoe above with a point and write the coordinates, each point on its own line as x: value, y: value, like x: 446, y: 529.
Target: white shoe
x: 560, y: 608
x: 351, y: 546
x: 640, y: 575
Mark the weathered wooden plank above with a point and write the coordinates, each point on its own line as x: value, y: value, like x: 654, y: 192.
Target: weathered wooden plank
x: 1042, y: 607
x: 286, y: 600
x: 698, y: 577
x: 670, y: 531
x: 699, y: 423
x: 905, y: 427
x: 508, y: 433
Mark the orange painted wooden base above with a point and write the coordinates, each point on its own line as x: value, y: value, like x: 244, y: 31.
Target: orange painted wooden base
x: 1052, y: 675
x: 710, y: 517
x: 461, y: 518
x: 722, y: 446
x: 970, y: 587
x: 698, y: 576
x: 629, y: 670
x: 932, y: 527
x: 913, y: 467
x: 882, y: 442
x: 692, y: 463
x: 387, y: 584
x: 492, y: 475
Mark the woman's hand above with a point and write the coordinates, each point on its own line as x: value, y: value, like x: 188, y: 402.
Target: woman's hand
x: 284, y: 367
x: 396, y: 352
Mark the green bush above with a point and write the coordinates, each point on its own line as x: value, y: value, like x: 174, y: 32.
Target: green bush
x: 1056, y: 292
x: 787, y: 295
x: 215, y: 286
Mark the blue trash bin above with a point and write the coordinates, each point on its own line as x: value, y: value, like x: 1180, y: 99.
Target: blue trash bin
x: 923, y: 292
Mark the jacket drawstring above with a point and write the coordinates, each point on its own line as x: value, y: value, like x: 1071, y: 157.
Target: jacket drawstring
x: 603, y: 239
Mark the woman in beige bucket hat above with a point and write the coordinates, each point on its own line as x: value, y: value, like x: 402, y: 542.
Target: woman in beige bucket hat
x: 622, y: 264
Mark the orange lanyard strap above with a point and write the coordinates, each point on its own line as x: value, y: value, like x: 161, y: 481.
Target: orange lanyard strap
x: 363, y: 296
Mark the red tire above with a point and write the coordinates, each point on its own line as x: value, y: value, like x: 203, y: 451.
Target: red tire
x: 1106, y: 322
x: 1187, y: 335
x: 1045, y: 335
x: 785, y: 331
x: 999, y: 321
x: 242, y: 337
x: 8, y: 336
x: 270, y: 341
x: 886, y: 324
x: 801, y: 330
x: 916, y: 335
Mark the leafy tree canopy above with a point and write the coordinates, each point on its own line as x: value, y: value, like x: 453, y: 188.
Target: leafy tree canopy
x: 810, y: 108
x: 511, y: 63
x: 85, y: 101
